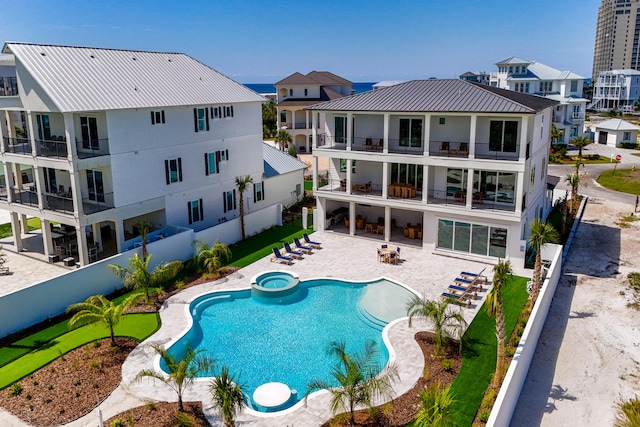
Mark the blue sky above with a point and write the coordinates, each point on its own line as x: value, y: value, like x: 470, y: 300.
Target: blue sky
x: 264, y: 41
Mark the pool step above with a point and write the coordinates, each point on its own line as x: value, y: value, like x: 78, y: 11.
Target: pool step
x: 209, y: 302
x: 370, y: 319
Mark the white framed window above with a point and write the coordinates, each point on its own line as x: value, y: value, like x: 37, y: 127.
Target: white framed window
x: 229, y: 201
x: 195, y: 210
x: 173, y: 170
x: 503, y: 136
x: 201, y: 119
x: 343, y: 165
x: 258, y: 191
x: 212, y: 161
x: 157, y: 117
x: 626, y: 136
x: 533, y: 176
x: 574, y: 85
x: 411, y: 132
x: 546, y: 86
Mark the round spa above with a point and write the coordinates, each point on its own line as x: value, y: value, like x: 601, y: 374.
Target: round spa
x: 274, y: 284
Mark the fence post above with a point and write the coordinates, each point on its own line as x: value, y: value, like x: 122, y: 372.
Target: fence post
x: 305, y: 217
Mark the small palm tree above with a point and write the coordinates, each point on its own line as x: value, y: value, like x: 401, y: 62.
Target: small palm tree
x: 182, y: 370
x: 243, y: 185
x: 138, y: 276
x: 541, y: 233
x: 555, y: 134
x: 501, y: 273
x: 211, y: 258
x: 437, y: 407
x: 360, y: 380
x: 580, y: 142
x: 228, y: 395
x: 447, y: 323
x: 97, y: 308
x: 283, y: 138
x: 573, y: 179
x: 144, y: 226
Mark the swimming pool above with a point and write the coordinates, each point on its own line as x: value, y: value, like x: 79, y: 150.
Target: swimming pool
x: 267, y: 339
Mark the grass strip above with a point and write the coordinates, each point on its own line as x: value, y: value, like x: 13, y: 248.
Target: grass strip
x: 623, y: 180
x: 137, y: 326
x: 33, y: 342
x: 5, y: 229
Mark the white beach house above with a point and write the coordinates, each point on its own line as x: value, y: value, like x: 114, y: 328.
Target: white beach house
x: 450, y: 165
x: 99, y: 140
x: 616, y: 89
x: 614, y: 132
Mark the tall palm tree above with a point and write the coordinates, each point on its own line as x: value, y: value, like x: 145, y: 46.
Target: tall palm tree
x: 283, y: 138
x: 573, y: 179
x: 228, y: 395
x: 243, y: 185
x: 541, y: 233
x: 138, y: 276
x: 580, y: 142
x: 447, y: 323
x: 211, y: 258
x: 501, y: 273
x: 97, y: 308
x: 144, y: 226
x: 437, y: 405
x: 182, y: 370
x: 360, y: 380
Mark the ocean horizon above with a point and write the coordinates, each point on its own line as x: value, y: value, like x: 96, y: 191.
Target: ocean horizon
x: 270, y: 88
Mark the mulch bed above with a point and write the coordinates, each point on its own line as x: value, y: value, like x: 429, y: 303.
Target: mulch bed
x: 162, y: 414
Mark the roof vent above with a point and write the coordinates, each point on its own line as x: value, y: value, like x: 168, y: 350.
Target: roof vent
x: 169, y: 59
x: 43, y: 54
x: 92, y: 57
x: 134, y: 58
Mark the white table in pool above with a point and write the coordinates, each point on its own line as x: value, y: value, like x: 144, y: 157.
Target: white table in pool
x: 271, y: 395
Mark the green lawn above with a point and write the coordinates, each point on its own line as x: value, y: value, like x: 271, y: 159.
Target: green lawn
x: 624, y: 180
x: 31, y: 343
x: 5, y: 229
x: 136, y: 326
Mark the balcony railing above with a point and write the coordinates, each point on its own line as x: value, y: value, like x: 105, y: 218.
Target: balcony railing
x: 8, y: 86
x: 488, y: 151
x: 59, y: 203
x: 448, y: 149
x: 97, y: 203
x: 480, y: 200
x: 27, y: 197
x: 577, y: 115
x: 3, y: 193
x: 56, y: 148
x: 87, y: 150
x: 302, y: 125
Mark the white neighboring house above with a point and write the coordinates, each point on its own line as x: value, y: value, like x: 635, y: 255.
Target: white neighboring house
x: 477, y: 77
x: 449, y: 165
x: 536, y: 78
x: 613, y: 132
x: 298, y: 91
x: 100, y: 139
x: 616, y: 89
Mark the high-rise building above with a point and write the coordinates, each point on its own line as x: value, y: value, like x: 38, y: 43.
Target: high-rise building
x: 617, y: 44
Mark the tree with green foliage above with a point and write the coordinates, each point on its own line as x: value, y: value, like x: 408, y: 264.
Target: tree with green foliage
x: 243, y: 185
x: 574, y: 179
x: 182, y: 370
x: 211, y: 258
x: 138, y: 276
x: 437, y: 407
x: 501, y: 273
x: 580, y: 142
x: 283, y: 138
x: 628, y: 413
x: 144, y: 226
x: 269, y: 119
x: 293, y: 152
x: 359, y: 377
x: 228, y: 395
x: 555, y: 134
x: 447, y: 323
x: 97, y: 308
x: 540, y: 234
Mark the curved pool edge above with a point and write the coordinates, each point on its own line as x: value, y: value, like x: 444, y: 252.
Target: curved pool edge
x: 204, y: 395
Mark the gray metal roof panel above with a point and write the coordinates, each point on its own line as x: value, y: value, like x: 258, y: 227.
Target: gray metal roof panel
x: 435, y: 95
x: 94, y: 79
x: 278, y: 162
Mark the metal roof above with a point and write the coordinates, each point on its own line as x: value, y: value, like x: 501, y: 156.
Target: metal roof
x: 326, y: 94
x: 513, y: 60
x: 278, y: 162
x: 435, y: 95
x: 94, y: 79
x: 616, y: 124
x: 314, y: 78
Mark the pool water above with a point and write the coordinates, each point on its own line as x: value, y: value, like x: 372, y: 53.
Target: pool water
x: 263, y: 340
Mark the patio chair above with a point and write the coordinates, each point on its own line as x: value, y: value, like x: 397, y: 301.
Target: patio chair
x: 277, y: 256
x: 479, y: 277
x: 444, y: 147
x: 392, y: 258
x: 458, y: 299
x: 462, y: 290
x: 468, y: 283
x: 292, y: 253
x: 463, y: 149
x: 309, y: 242
x: 381, y: 256
x: 301, y: 247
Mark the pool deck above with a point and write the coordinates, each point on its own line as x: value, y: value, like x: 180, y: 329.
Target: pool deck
x: 342, y: 257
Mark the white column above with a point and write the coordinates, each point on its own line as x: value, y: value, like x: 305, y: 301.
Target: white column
x: 387, y: 223
x: 15, y: 229
x: 348, y: 186
x: 3, y: 134
x: 524, y: 136
x: 425, y: 184
x: 352, y: 218
x: 76, y: 193
x: 83, y: 252
x: 519, y: 191
x: 47, y: 243
x: 11, y: 131
x: 385, y: 131
x: 472, y: 136
x: 385, y: 180
x: 70, y: 136
x: 119, y: 235
x: 8, y: 180
x: 349, y: 130
x: 470, y: 188
x: 97, y: 235
x: 314, y: 167
x: 32, y: 139
x: 427, y: 133
x: 314, y: 130
x: 24, y: 224
x: 38, y: 178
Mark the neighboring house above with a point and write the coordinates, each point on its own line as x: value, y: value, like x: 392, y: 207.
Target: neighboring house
x: 613, y: 132
x: 477, y: 77
x: 386, y: 83
x: 283, y: 177
x: 616, y: 89
x: 298, y: 91
x: 535, y: 78
x: 101, y: 139
x: 459, y: 167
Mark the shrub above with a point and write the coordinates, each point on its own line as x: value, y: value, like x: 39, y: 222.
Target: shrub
x: 483, y: 415
x: 16, y: 389
x: 50, y: 387
x: 631, y: 145
x: 447, y: 365
x: 31, y: 407
x: 634, y: 280
x: 35, y: 382
x: 182, y: 419
x: 118, y: 422
x: 29, y: 396
x: 179, y: 284
x: 489, y: 397
x: 151, y: 406
x: 96, y: 364
x: 515, y: 340
x: 628, y: 413
x: 519, y: 332
x: 509, y: 351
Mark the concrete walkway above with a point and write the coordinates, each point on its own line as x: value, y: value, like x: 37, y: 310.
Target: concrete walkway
x: 351, y: 258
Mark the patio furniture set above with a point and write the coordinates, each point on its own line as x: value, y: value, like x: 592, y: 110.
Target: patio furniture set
x: 465, y: 288
x: 388, y: 255
x: 300, y: 249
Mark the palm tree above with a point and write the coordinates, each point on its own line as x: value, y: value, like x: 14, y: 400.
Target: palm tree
x: 360, y: 380
x: 97, y: 308
x: 447, y: 323
x: 138, y: 276
x: 437, y: 407
x: 283, y: 138
x: 573, y: 179
x: 228, y: 395
x: 144, y: 226
x: 541, y: 233
x: 555, y: 134
x: 243, y: 185
x: 182, y: 370
x: 501, y: 273
x: 580, y: 142
x: 211, y: 258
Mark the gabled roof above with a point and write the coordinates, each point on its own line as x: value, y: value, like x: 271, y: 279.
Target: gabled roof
x: 544, y: 72
x: 616, y: 124
x: 435, y: 95
x: 278, y: 162
x: 513, y: 60
x: 326, y: 94
x: 94, y: 79
x: 314, y: 78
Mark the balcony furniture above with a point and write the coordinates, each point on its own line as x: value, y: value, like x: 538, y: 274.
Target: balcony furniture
x: 478, y: 197
x: 93, y: 254
x: 54, y: 258
x: 363, y: 188
x: 380, y: 229
x: 343, y: 184
x: 346, y: 222
x: 444, y: 147
x: 463, y: 149
x: 69, y: 261
x: 360, y: 222
x: 368, y: 227
x: 460, y: 195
